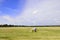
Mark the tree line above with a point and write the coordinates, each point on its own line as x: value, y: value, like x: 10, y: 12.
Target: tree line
x: 6, y: 25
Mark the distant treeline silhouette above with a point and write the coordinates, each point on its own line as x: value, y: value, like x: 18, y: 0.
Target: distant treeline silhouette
x: 6, y: 25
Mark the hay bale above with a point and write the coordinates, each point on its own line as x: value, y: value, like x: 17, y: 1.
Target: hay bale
x: 34, y: 29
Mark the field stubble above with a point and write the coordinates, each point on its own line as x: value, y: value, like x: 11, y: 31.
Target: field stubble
x: 25, y: 33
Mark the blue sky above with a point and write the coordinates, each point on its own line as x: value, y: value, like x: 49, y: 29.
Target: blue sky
x: 30, y: 12
x: 10, y: 7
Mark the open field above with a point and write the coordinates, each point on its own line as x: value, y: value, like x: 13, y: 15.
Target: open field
x: 25, y: 33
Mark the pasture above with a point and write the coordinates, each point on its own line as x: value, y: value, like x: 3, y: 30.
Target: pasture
x: 25, y: 33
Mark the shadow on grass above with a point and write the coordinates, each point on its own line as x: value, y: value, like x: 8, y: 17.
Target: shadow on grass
x: 5, y: 38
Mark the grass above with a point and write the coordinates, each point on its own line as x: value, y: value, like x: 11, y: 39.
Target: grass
x: 25, y: 33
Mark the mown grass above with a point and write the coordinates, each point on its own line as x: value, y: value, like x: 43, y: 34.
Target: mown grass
x: 25, y: 33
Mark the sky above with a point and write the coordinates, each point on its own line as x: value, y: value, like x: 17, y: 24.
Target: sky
x: 30, y: 12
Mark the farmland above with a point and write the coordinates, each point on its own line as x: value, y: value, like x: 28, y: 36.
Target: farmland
x: 25, y: 33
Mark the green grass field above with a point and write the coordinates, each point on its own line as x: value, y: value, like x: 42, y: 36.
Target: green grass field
x: 25, y: 33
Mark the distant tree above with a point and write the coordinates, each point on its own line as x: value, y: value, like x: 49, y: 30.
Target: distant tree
x: 5, y: 25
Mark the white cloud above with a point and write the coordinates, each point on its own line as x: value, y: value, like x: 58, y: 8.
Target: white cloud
x: 8, y: 18
x: 35, y: 11
x: 41, y: 12
x: 38, y: 12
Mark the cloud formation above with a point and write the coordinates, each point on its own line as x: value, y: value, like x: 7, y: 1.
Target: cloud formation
x: 38, y: 12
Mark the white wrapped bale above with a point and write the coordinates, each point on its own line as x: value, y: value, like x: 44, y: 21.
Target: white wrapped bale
x: 34, y: 29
